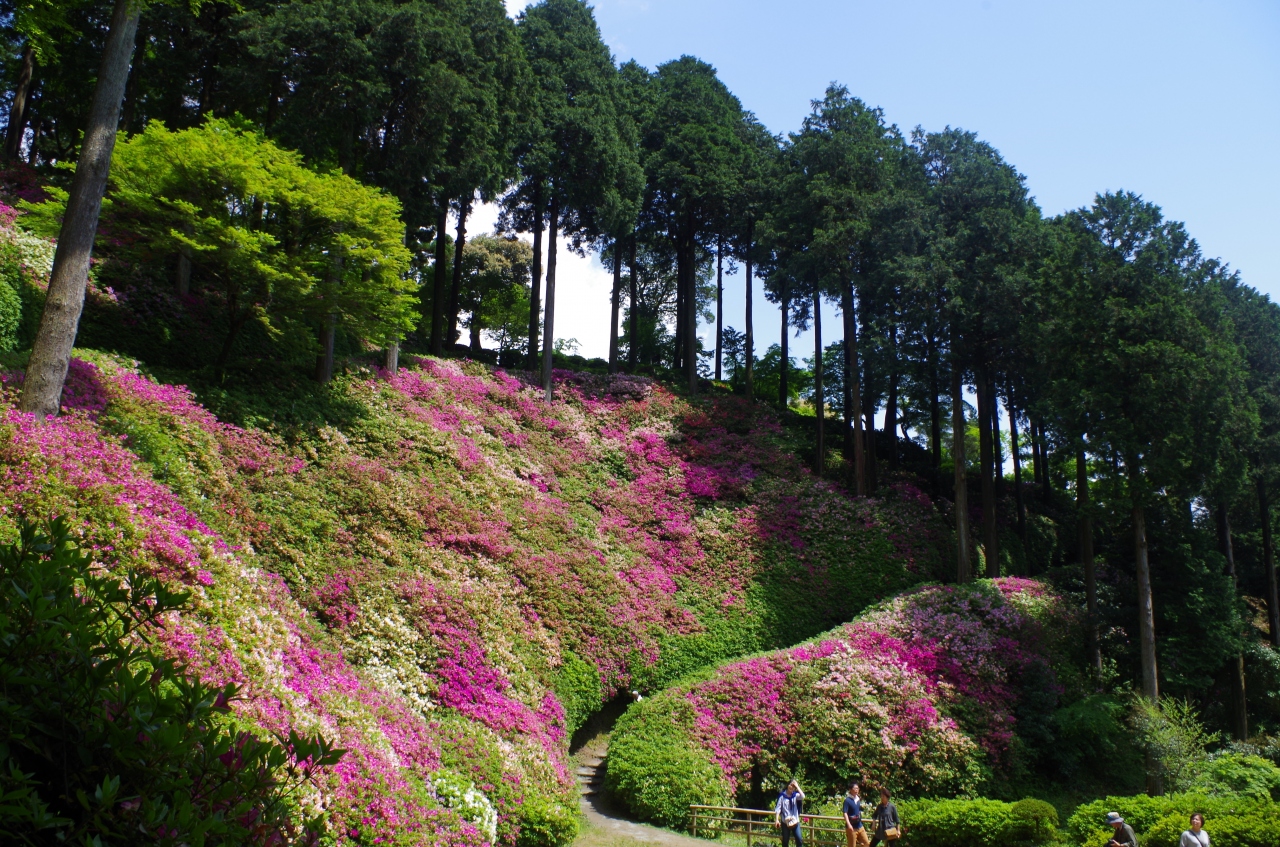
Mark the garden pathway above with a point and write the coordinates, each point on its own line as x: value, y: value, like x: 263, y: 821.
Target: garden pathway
x: 606, y: 823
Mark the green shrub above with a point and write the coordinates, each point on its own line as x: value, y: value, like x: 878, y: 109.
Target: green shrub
x: 546, y: 823
x: 656, y: 769
x: 10, y: 311
x: 962, y: 823
x: 578, y: 687
x: 1033, y: 821
x: 102, y: 740
x: 1237, y: 774
x: 1253, y: 827
x: 1150, y: 817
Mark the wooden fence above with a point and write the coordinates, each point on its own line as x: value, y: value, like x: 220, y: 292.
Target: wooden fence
x: 757, y: 825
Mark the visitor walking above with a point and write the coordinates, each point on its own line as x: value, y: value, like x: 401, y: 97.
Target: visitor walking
x: 787, y: 813
x: 888, y: 824
x: 855, y: 834
x: 1196, y: 836
x: 1124, y: 836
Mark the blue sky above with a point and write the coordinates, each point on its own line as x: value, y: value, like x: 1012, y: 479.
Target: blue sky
x: 1174, y: 100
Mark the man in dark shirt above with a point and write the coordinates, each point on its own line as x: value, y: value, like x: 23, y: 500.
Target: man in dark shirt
x: 1124, y: 836
x: 855, y: 835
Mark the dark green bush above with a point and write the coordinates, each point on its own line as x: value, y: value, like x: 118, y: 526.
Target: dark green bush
x: 656, y: 769
x: 104, y: 741
x: 1033, y: 821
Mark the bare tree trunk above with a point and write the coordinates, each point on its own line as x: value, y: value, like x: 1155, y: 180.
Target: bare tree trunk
x: 986, y: 467
x: 535, y: 293
x: 438, y: 288
x: 633, y: 333
x: 964, y: 570
x: 393, y: 356
x: 1239, y: 703
x: 18, y: 108
x: 1018, y: 494
x: 548, y: 320
x: 850, y: 332
x: 1084, y: 525
x: 691, y: 306
x: 891, y: 402
x: 328, y: 336
x: 854, y: 371
x: 750, y: 341
x: 1037, y: 454
x: 51, y: 353
x: 1269, y: 563
x: 935, y: 415
x: 614, y: 306
x: 1146, y: 620
x: 783, y: 394
x: 819, y: 399
x: 997, y: 448
x: 1146, y: 607
x: 455, y: 290
x: 183, y: 272
x: 719, y: 302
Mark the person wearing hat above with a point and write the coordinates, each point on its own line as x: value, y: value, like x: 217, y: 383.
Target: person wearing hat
x: 1124, y: 833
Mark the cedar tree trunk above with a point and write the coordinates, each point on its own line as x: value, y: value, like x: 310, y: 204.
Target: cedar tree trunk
x: 1084, y: 526
x: 51, y: 353
x: 535, y: 292
x: 819, y: 399
x: 438, y: 288
x: 614, y: 306
x: 548, y: 320
x: 963, y: 571
x: 455, y: 289
x: 18, y: 109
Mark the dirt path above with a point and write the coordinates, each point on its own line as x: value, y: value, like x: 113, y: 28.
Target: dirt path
x: 608, y: 826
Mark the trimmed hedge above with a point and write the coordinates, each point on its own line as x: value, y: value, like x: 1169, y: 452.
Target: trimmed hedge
x: 978, y: 823
x: 660, y: 770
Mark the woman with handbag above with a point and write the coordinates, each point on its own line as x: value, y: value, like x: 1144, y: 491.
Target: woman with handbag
x: 888, y: 824
x: 787, y: 813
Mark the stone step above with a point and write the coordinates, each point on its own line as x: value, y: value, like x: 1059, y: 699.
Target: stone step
x: 588, y: 790
x: 593, y: 762
x: 587, y: 770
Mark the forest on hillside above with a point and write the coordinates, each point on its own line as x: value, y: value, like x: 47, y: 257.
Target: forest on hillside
x: 1078, y: 413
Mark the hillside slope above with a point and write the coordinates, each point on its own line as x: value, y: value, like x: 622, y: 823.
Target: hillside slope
x: 940, y: 691
x: 451, y: 575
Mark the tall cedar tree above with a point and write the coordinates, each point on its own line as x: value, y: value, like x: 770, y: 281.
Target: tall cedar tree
x: 579, y: 168
x: 1160, y: 387
x: 981, y: 208
x: 694, y: 155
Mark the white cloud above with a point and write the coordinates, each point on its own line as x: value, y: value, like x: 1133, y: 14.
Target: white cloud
x: 515, y: 7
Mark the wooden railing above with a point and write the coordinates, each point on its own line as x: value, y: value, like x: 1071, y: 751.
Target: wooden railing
x: 758, y: 825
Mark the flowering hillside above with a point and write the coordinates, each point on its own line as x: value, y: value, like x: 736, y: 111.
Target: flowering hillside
x: 451, y: 579
x: 932, y: 693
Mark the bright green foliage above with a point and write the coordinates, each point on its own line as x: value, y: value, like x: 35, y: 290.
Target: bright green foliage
x: 281, y: 243
x: 103, y: 738
x: 980, y: 823
x: 1247, y: 827
x: 1237, y: 774
x: 546, y: 824
x: 660, y: 771
x: 1158, y: 821
x: 1173, y: 733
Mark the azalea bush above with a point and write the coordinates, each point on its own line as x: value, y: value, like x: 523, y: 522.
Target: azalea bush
x: 926, y: 693
x: 103, y: 738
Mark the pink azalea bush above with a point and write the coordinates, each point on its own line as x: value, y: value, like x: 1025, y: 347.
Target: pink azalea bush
x: 922, y: 693
x: 449, y: 582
